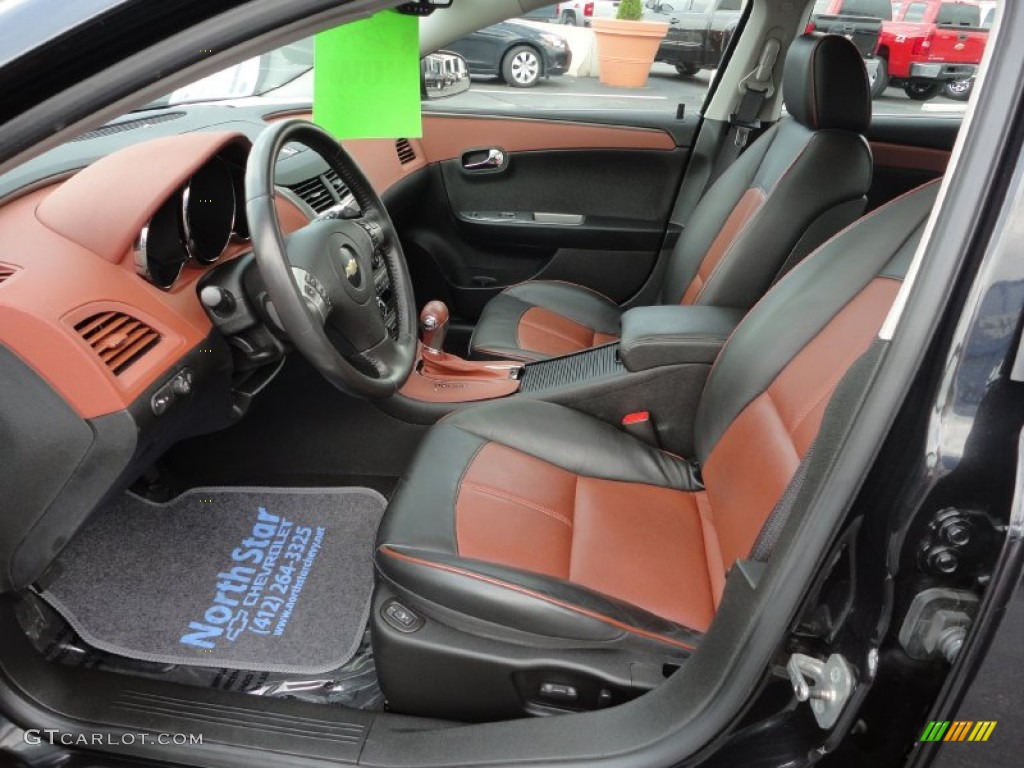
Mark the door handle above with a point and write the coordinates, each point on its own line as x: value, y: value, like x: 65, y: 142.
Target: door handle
x: 493, y: 161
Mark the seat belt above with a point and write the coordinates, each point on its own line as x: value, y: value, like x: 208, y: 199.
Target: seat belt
x: 757, y: 88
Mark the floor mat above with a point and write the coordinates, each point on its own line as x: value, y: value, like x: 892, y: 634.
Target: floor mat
x: 252, y: 578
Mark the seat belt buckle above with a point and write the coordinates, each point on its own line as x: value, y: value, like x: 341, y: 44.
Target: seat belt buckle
x: 640, y: 425
x: 744, y: 120
x: 743, y: 129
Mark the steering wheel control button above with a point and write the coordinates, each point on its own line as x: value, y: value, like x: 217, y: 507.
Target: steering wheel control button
x: 559, y: 692
x: 312, y: 291
x: 401, y: 618
x: 375, y: 231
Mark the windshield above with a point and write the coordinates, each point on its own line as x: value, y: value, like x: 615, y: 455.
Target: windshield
x: 257, y: 76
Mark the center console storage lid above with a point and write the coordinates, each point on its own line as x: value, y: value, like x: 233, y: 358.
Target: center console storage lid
x: 674, y: 335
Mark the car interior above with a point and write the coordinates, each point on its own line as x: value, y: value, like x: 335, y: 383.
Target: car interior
x: 374, y: 439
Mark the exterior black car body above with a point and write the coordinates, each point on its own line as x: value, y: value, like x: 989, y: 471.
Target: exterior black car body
x: 698, y: 33
x: 518, y: 53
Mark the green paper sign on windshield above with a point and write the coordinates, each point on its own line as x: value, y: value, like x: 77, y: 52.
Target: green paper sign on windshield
x: 366, y: 78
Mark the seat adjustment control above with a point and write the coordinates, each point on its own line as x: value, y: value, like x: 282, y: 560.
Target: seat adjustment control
x: 401, y: 618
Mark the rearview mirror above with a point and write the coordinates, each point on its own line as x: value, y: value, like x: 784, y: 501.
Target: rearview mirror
x: 443, y: 74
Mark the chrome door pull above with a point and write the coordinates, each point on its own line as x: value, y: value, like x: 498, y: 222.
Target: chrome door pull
x: 495, y: 159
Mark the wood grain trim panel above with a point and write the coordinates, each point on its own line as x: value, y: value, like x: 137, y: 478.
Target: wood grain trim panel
x: 909, y: 158
x: 446, y: 137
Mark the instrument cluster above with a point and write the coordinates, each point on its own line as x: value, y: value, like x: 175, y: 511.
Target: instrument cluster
x: 196, y: 224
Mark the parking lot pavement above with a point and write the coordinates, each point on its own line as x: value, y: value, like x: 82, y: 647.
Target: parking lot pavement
x: 663, y: 92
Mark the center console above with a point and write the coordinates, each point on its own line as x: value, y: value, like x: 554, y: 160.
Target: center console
x: 658, y: 366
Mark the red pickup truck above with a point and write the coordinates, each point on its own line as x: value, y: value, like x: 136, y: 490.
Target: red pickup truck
x: 931, y: 43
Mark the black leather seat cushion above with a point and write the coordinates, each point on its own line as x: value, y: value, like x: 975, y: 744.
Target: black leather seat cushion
x: 543, y: 318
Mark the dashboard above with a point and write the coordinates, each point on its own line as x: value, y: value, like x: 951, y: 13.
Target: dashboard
x: 106, y: 239
x: 107, y: 353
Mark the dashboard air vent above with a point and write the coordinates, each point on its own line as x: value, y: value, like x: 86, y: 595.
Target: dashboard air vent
x: 336, y: 182
x: 315, y: 193
x: 130, y: 125
x: 6, y: 272
x: 118, y: 339
x: 406, y: 154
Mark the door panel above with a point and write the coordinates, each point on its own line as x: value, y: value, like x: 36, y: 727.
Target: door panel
x: 582, y: 202
x: 908, y: 151
x: 446, y: 137
x: 614, y: 191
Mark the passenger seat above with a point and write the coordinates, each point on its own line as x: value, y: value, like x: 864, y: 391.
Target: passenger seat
x: 797, y: 185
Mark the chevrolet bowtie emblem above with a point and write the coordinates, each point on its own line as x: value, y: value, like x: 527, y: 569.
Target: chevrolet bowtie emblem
x: 350, y: 265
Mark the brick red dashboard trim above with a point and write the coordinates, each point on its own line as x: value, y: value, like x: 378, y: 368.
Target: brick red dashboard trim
x: 103, y: 207
x: 71, y: 243
x: 446, y: 137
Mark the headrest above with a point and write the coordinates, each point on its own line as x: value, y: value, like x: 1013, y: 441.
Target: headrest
x: 825, y: 84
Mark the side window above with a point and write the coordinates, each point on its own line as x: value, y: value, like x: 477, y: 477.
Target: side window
x: 915, y: 12
x: 959, y: 15
x: 530, y: 66
x: 929, y: 67
x: 876, y: 9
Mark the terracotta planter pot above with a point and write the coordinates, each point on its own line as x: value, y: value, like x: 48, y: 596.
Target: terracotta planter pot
x: 626, y: 49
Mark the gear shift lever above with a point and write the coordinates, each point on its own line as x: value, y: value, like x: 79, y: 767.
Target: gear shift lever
x: 434, y: 325
x: 440, y: 375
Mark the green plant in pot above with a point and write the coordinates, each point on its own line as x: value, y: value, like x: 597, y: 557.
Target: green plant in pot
x: 626, y: 45
x: 630, y: 10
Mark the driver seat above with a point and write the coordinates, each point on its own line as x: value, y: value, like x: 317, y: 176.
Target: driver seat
x: 537, y: 558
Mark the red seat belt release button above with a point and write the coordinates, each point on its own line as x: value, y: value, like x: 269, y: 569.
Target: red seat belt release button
x: 641, y: 426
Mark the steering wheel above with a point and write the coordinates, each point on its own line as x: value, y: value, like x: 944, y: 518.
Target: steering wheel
x: 320, y: 279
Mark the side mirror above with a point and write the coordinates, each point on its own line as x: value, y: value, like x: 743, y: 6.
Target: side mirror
x: 443, y: 74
